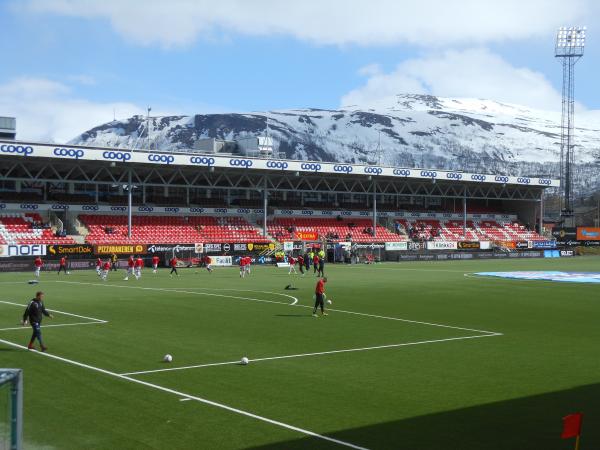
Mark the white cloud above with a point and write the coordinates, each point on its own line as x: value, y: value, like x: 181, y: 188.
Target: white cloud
x: 339, y: 22
x: 48, y: 111
x: 475, y: 73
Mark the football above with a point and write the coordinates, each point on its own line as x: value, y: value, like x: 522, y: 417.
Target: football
x: 329, y: 302
x: 244, y: 361
x: 167, y: 358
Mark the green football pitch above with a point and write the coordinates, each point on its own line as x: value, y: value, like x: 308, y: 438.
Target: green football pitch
x: 411, y: 356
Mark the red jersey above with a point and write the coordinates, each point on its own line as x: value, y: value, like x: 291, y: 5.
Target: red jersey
x: 173, y: 262
x: 291, y: 260
x: 316, y: 260
x: 63, y: 261
x: 155, y: 260
x: 320, y: 287
x: 106, y: 266
x: 207, y: 260
x: 139, y: 262
x: 248, y: 260
x: 38, y: 262
x: 243, y: 261
x: 130, y: 262
x: 98, y: 262
x: 300, y: 260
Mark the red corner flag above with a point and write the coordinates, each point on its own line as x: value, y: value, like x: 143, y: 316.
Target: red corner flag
x: 572, y: 426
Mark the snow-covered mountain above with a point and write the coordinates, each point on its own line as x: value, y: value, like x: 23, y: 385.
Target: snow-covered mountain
x: 417, y: 131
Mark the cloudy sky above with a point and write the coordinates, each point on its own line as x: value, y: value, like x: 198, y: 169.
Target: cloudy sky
x: 71, y: 64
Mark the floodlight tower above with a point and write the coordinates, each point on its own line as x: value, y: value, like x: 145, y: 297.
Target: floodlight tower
x: 570, y: 43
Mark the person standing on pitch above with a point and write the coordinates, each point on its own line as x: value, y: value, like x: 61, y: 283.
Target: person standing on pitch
x: 105, y: 269
x: 321, y: 269
x: 155, y: 261
x: 114, y: 262
x: 173, y: 264
x: 33, y: 314
x: 62, y: 266
x: 38, y: 263
x: 130, y: 267
x: 320, y: 297
x: 315, y: 262
x: 292, y: 263
x: 301, y: 264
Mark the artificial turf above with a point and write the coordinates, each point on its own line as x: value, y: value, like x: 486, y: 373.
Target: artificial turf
x: 483, y: 392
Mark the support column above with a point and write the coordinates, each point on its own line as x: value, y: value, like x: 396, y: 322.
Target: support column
x: 465, y: 214
x: 129, y: 205
x: 265, y: 205
x: 187, y: 196
x: 541, y: 213
x: 374, y: 208
x: 97, y: 194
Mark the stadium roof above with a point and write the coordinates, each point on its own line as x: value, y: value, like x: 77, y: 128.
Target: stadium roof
x: 36, y: 151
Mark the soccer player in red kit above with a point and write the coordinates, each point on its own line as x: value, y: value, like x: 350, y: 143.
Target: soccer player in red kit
x: 105, y: 269
x: 242, y: 266
x: 173, y: 264
x: 130, y: 267
x: 99, y: 267
x: 139, y: 263
x: 301, y: 264
x: 208, y: 263
x: 62, y: 266
x: 292, y: 263
x: 320, y: 296
x: 155, y: 261
x: 315, y: 263
x: 38, y: 263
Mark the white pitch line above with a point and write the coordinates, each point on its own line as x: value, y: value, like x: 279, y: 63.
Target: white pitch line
x: 288, y: 304
x: 56, y: 325
x: 270, y: 358
x: 191, y: 397
x: 57, y: 311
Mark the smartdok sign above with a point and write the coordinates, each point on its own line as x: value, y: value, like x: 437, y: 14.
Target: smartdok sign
x: 588, y: 234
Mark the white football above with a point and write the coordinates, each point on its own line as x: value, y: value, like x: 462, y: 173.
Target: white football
x: 329, y: 302
x: 245, y: 361
x: 167, y: 358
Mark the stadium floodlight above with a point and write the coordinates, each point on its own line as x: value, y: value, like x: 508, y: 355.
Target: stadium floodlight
x: 569, y: 47
x: 570, y: 41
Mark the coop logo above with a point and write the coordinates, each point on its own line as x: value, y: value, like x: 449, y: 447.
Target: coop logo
x: 306, y: 212
x: 17, y: 149
x: 172, y: 209
x: 167, y: 159
x: 501, y: 179
x: 402, y: 172
x: 313, y: 167
x: 72, y: 153
x: 343, y: 168
x: 90, y: 207
x: 282, y: 165
x: 118, y: 208
x: 221, y: 210
x: 202, y: 161
x: 196, y: 210
x: 373, y: 170
x: 59, y: 207
x: 145, y: 208
x: 245, y: 163
x: 2, y: 205
x: 476, y: 177
x: 243, y: 211
x: 28, y: 206
x: 454, y: 176
x: 116, y: 156
x: 523, y: 180
x: 429, y: 173
x: 545, y: 181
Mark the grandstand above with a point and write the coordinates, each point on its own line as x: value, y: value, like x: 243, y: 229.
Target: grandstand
x: 181, y: 199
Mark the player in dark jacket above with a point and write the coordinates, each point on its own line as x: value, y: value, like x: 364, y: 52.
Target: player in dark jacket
x: 33, y: 314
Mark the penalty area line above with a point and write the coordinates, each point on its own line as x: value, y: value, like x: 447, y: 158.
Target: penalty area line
x: 59, y: 312
x: 300, y: 355
x: 190, y: 397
